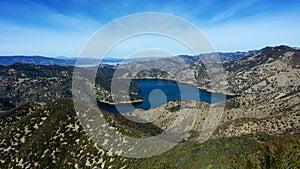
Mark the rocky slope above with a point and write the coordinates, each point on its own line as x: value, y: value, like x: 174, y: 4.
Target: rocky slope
x: 268, y: 82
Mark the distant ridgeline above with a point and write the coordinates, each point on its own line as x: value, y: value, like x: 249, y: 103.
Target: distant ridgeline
x: 38, y: 60
x: 65, y: 61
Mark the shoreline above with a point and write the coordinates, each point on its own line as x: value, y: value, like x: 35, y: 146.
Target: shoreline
x: 189, y: 83
x: 172, y: 80
x: 122, y: 102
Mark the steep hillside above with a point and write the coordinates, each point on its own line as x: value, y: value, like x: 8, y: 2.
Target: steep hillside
x: 50, y: 136
x: 22, y: 83
x: 268, y: 82
x: 27, y: 83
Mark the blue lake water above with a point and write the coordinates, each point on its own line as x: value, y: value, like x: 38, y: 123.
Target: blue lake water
x: 157, y: 92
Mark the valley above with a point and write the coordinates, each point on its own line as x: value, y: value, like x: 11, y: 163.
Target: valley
x: 259, y: 127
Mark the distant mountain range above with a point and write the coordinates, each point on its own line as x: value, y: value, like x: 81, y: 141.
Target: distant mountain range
x: 71, y: 61
x: 64, y: 61
x: 42, y: 60
x: 39, y: 60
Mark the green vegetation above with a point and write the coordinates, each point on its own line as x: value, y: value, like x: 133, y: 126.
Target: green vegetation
x: 249, y: 151
x: 54, y: 143
x: 130, y: 128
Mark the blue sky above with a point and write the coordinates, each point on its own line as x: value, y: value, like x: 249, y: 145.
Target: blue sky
x: 61, y: 28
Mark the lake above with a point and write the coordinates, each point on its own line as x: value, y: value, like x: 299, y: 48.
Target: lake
x: 157, y: 92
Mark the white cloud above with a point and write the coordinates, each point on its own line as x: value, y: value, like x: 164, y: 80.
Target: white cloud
x: 222, y: 16
x: 78, y: 22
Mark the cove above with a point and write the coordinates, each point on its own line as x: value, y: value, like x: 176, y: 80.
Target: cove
x: 156, y: 92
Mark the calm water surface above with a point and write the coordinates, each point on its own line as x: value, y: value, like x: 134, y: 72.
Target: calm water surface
x: 157, y: 92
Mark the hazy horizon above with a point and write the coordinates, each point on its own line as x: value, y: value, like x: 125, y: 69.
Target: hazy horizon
x: 120, y: 57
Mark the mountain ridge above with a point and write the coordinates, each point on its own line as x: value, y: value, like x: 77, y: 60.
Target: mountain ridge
x: 71, y: 61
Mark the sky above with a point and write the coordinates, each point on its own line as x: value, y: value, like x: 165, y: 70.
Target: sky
x: 62, y: 28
